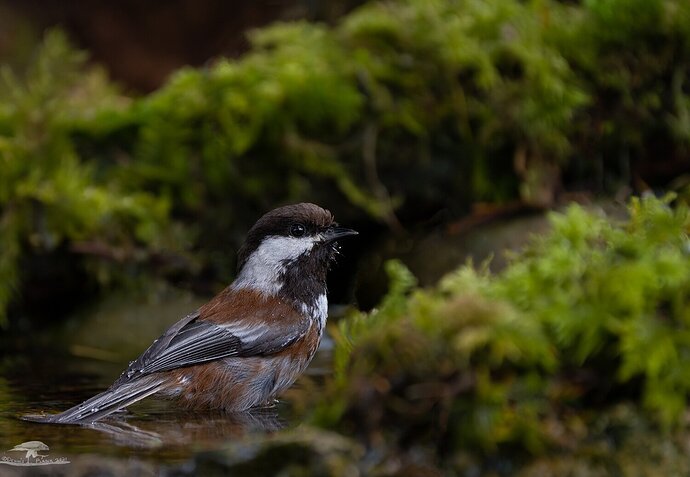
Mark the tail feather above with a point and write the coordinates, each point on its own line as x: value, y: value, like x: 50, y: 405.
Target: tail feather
x: 112, y: 400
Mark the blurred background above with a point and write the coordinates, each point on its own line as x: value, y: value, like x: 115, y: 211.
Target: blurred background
x: 145, y: 139
x: 142, y: 45
x: 140, y: 140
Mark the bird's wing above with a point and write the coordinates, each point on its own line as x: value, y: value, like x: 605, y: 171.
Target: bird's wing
x: 116, y: 397
x: 195, y: 340
x: 211, y: 333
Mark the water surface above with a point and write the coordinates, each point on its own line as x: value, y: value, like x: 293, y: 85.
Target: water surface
x: 86, y: 356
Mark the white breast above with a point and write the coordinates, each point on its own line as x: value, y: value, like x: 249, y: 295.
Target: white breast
x: 319, y: 310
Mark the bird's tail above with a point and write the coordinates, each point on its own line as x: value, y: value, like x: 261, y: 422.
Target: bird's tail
x: 115, y: 398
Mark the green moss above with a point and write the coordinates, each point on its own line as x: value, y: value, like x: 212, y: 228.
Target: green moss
x: 403, y: 108
x: 49, y: 195
x: 589, y: 315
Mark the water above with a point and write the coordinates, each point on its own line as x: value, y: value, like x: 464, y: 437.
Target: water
x: 153, y: 435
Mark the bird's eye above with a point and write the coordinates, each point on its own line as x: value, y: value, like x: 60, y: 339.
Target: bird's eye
x: 298, y: 230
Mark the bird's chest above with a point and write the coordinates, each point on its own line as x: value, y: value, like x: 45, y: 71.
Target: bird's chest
x: 276, y: 373
x: 241, y: 383
x: 317, y: 310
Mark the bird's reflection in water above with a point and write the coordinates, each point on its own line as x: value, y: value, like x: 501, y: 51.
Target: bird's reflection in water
x: 189, y: 428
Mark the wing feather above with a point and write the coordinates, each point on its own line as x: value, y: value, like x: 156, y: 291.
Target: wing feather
x: 113, y: 399
x: 194, y: 340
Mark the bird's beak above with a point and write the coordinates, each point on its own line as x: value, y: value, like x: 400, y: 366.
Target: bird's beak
x: 334, y: 233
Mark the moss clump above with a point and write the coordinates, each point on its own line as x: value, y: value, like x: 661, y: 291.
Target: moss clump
x: 594, y: 313
x: 402, y: 109
x: 49, y: 194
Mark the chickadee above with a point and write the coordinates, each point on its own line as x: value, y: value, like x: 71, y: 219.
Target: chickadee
x: 252, y: 340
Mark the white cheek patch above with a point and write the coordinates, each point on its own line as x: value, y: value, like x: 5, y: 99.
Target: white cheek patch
x: 285, y: 248
x: 265, y: 265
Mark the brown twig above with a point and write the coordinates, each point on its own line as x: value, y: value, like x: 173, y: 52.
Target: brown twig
x: 369, y: 144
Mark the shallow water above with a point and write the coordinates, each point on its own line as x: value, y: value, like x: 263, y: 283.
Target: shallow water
x: 151, y: 436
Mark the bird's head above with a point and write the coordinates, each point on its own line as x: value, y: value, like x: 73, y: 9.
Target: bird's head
x: 289, y: 249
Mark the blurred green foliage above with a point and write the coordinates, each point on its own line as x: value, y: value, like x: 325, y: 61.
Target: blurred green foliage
x: 49, y: 194
x: 592, y: 314
x: 403, y: 108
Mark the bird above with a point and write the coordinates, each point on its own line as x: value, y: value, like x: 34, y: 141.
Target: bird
x: 248, y: 343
